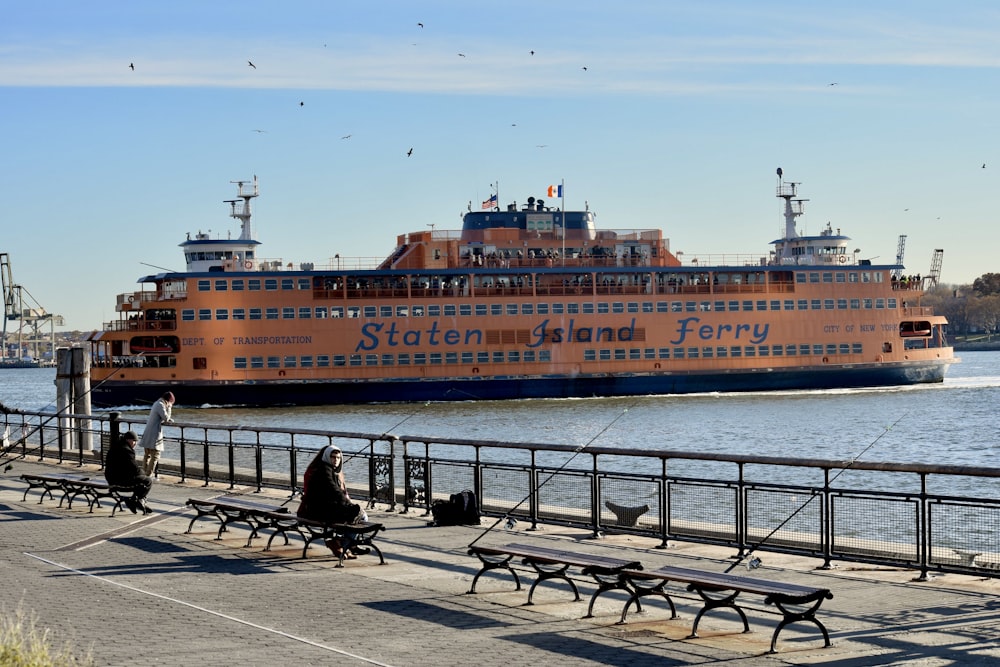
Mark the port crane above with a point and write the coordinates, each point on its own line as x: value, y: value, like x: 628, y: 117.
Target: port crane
x: 29, y: 319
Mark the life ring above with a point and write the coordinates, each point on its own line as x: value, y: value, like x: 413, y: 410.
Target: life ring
x: 826, y: 360
x: 248, y: 264
x: 131, y: 299
x: 843, y: 259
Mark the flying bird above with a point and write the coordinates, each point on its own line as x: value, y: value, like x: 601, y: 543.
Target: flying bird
x: 346, y: 136
x: 531, y: 52
x: 261, y: 131
x: 461, y: 55
x: 302, y: 104
x: 584, y: 69
x: 251, y: 64
x: 131, y: 66
x: 984, y: 165
x: 834, y: 83
x: 421, y: 25
x: 409, y: 152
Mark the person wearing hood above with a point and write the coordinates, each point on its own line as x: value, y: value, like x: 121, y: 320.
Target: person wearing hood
x: 325, y: 497
x: 152, y: 436
x: 121, y: 469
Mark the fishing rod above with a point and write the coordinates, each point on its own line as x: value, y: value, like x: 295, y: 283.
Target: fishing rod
x: 576, y: 452
x: 754, y: 562
x: 8, y: 464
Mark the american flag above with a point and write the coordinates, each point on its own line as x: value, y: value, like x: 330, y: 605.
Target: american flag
x: 490, y: 203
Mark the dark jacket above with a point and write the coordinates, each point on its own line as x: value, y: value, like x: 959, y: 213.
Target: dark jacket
x: 120, y: 466
x: 322, y: 497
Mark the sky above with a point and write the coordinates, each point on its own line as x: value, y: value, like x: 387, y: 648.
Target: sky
x: 670, y: 115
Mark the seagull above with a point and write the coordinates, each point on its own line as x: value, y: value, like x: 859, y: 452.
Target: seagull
x: 421, y: 25
x: 409, y: 152
x: 131, y: 66
x: 834, y: 83
x: 541, y: 145
x: 531, y: 52
x: 461, y: 55
x: 984, y: 165
x: 261, y: 131
x: 584, y: 69
x: 346, y: 136
x: 302, y: 104
x: 251, y: 64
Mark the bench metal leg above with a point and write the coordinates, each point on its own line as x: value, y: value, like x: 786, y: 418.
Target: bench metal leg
x: 728, y: 600
x: 790, y: 616
x: 605, y: 583
x: 491, y: 562
x: 640, y: 591
x: 548, y: 571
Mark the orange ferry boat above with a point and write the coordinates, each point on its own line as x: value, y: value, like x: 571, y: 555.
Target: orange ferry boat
x: 524, y: 302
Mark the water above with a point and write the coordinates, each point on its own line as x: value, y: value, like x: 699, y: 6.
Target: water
x: 948, y: 423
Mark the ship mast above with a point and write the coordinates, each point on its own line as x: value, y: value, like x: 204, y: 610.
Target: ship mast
x: 244, y: 214
x: 793, y: 209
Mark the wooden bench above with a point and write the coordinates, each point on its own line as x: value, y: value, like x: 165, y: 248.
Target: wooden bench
x: 268, y: 516
x: 795, y: 602
x: 73, y: 486
x: 553, y: 564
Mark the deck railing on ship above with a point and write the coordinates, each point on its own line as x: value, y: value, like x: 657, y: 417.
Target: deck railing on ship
x: 925, y: 517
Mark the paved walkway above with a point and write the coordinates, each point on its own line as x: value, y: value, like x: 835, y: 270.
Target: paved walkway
x: 138, y: 590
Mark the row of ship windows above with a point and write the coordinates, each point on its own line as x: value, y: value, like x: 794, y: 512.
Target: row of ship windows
x: 529, y: 356
x: 274, y: 284
x: 480, y: 309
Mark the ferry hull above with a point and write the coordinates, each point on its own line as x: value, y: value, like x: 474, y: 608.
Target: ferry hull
x: 275, y: 393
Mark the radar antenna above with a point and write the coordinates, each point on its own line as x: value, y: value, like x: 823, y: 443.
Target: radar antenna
x: 900, y: 249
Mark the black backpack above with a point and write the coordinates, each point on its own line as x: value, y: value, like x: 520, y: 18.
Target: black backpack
x: 461, y: 509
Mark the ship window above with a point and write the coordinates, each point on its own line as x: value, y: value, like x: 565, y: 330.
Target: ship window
x: 841, y: 304
x: 828, y: 304
x: 619, y: 354
x: 270, y: 284
x: 204, y: 285
x: 841, y: 277
x: 690, y: 306
x: 635, y: 354
x: 419, y: 358
x: 187, y: 315
x: 664, y: 353
x: 274, y: 362
x: 433, y: 311
x: 617, y: 307
x: 339, y: 360
x: 817, y: 349
x: 256, y: 362
x: 371, y: 360
x: 633, y: 307
x: 803, y: 304
x: 449, y: 310
x: 892, y: 303
x: 528, y: 309
x: 866, y: 277
x: 790, y: 350
x: 855, y: 304
x: 879, y: 304
x: 649, y: 353
x: 482, y: 357
x: 542, y: 308
x: 306, y: 361
x: 221, y: 285
x: 498, y: 357
x: 574, y: 308
x: 707, y: 352
x: 831, y: 348
x: 496, y: 309
x: 662, y: 307
x: 513, y: 356
x: 878, y: 276
x: 418, y: 311
x: 320, y: 312
x: 590, y: 355
x: 204, y: 313
x: 762, y: 305
x: 270, y: 313
x: 814, y: 277
x: 827, y: 277
x: 254, y: 284
x: 370, y: 311
x: 240, y: 362
x: 647, y: 306
x: 467, y: 357
x: 800, y: 278
x: 789, y: 304
x: 287, y: 283
x: 545, y: 356
x: 304, y: 283
x: 255, y: 313
x: 749, y: 351
x: 815, y: 304
x: 238, y: 284
x: 290, y: 362
x: 775, y: 305
x: 736, y: 351
x: 305, y: 312
x: 604, y: 355
x: 719, y: 306
x: 529, y: 355
x: 355, y: 360
x: 778, y: 350
x: 856, y: 348
x: 678, y: 353
x: 734, y: 306
x: 764, y: 351
x: 451, y: 357
x: 722, y: 351
x: 404, y: 359
x: 804, y: 349
x: 512, y: 309
x: 588, y: 308
x: 221, y: 314
x: 436, y: 358
x: 844, y: 348
x: 602, y: 308
x: 336, y: 312
x: 385, y: 311
x: 692, y: 352
x: 866, y: 304
x: 239, y: 313
x: 323, y: 360
x: 480, y: 309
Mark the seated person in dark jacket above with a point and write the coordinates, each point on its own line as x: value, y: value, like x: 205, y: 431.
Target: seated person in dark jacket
x: 121, y: 469
x: 324, y: 497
